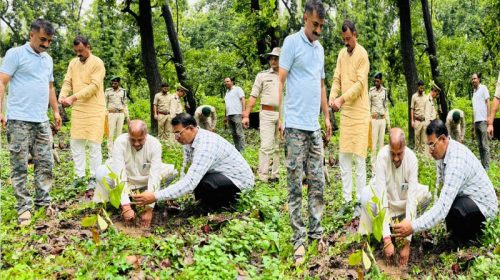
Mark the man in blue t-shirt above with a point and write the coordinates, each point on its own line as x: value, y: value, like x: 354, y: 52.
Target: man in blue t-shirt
x: 28, y: 71
x: 302, y: 67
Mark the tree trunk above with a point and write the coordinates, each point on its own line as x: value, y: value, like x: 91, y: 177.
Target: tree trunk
x: 432, y: 52
x: 261, y: 42
x: 148, y: 51
x: 409, y: 65
x: 177, y: 58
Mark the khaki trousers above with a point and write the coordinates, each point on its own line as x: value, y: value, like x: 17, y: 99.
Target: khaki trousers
x: 269, y: 145
x: 378, y: 133
x: 115, y: 122
x: 165, y: 130
x: 420, y: 135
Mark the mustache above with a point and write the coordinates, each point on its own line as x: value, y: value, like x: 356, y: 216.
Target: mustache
x: 43, y: 47
x: 316, y: 34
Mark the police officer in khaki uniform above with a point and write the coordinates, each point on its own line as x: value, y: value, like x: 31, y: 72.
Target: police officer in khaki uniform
x: 161, y: 109
x: 266, y: 87
x: 430, y: 107
x: 418, y: 101
x: 380, y: 115
x: 116, y: 99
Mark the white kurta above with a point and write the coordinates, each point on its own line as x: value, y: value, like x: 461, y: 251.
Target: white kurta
x: 398, y: 189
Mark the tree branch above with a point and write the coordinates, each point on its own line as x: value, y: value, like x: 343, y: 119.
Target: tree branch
x: 129, y: 11
x: 8, y: 24
x: 287, y: 7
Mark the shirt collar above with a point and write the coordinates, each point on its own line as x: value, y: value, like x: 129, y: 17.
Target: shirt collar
x: 30, y: 49
x: 197, y: 140
x: 451, y: 145
x: 304, y: 37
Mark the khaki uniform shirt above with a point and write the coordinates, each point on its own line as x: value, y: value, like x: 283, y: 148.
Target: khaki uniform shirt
x: 418, y: 105
x: 378, y: 100
x: 116, y: 100
x: 86, y: 81
x: 266, y: 86
x: 162, y: 102
x: 430, y: 109
x: 351, y: 81
x: 175, y: 105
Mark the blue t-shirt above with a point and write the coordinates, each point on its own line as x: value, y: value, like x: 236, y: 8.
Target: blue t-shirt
x: 30, y: 74
x: 304, y: 62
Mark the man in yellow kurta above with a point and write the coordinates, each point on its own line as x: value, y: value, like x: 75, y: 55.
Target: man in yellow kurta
x: 350, y: 80
x: 85, y: 79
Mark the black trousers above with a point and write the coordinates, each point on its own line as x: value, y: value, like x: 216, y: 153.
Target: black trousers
x: 465, y: 221
x: 215, y: 191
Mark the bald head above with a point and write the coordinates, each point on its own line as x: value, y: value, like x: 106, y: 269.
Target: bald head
x: 137, y: 127
x: 397, y: 137
x: 137, y: 133
x: 397, y: 145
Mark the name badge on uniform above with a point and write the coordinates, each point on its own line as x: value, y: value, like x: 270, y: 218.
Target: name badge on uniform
x: 404, y: 187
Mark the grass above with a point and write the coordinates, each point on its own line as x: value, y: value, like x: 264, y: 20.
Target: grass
x: 252, y: 242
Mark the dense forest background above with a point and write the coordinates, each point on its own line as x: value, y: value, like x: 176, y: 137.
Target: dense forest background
x: 197, y: 45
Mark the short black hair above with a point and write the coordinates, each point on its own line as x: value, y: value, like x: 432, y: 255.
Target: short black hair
x: 348, y: 24
x: 81, y: 39
x: 185, y: 119
x: 420, y: 83
x: 436, y: 127
x: 40, y: 23
x: 315, y: 5
x: 164, y: 84
x: 378, y: 76
x: 478, y: 75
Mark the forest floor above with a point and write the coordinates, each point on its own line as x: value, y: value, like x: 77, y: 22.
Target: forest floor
x: 251, y: 241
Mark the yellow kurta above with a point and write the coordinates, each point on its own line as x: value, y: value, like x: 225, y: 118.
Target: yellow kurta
x: 351, y: 81
x: 86, y: 82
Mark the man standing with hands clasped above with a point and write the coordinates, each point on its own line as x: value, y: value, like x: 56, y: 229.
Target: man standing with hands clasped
x: 350, y: 93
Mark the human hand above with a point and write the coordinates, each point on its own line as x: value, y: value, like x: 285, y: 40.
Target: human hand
x: 388, y: 250
x: 58, y: 121
x: 146, y: 217
x: 245, y: 122
x: 144, y: 198
x: 68, y: 101
x: 156, y: 116
x: 404, y: 254
x: 490, y: 131
x: 3, y: 120
x: 128, y: 213
x: 403, y: 229
x: 337, y: 103
x: 282, y: 130
x: 328, y: 127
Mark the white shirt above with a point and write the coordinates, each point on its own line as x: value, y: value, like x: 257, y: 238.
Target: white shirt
x: 462, y: 175
x: 233, y: 101
x: 137, y: 168
x: 479, y: 107
x: 398, y: 187
x: 209, y: 153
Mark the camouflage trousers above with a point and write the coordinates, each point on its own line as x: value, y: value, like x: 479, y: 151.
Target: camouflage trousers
x: 30, y: 138
x: 304, y: 150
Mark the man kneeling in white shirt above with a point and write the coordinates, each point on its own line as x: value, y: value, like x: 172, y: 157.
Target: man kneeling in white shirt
x: 137, y: 159
x: 396, y: 185
x: 218, y: 172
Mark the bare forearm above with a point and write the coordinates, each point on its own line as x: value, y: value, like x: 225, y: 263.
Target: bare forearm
x: 251, y: 102
x: 53, y: 101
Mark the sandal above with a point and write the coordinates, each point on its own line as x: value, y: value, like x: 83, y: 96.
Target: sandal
x: 25, y: 218
x: 299, y: 254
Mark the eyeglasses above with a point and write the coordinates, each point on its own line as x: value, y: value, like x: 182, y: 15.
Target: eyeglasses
x: 432, y: 145
x: 178, y: 134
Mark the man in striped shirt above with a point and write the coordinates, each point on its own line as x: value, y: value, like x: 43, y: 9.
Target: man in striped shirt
x: 467, y: 198
x: 218, y: 172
